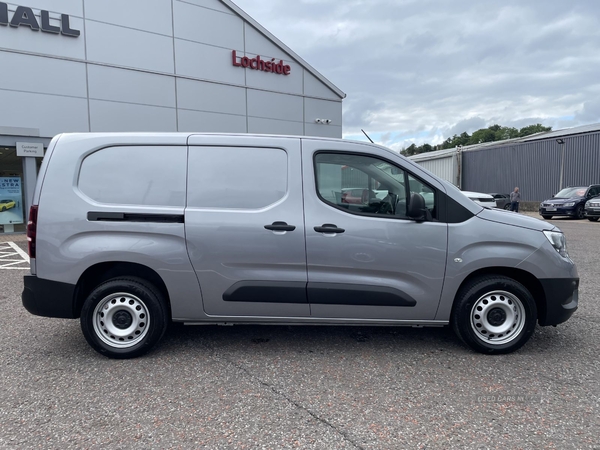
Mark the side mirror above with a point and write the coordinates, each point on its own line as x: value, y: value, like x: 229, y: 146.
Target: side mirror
x: 417, y: 209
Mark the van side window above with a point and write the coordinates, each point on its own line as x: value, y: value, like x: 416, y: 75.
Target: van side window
x: 361, y: 184
x: 236, y: 178
x: 135, y: 175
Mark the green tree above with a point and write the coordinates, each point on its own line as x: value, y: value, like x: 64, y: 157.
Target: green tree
x: 532, y: 129
x: 507, y: 133
x: 482, y: 135
x: 463, y: 138
x: 410, y: 150
x: 490, y: 134
x: 456, y: 140
x: 448, y: 142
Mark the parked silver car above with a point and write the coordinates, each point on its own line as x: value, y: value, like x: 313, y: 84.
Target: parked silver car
x: 128, y: 232
x: 592, y: 209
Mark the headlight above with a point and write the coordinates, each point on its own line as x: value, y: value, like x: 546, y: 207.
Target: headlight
x: 587, y: 204
x: 558, y: 241
x: 569, y: 204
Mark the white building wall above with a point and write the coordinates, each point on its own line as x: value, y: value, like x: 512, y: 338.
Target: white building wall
x: 444, y: 168
x: 442, y: 163
x: 154, y: 65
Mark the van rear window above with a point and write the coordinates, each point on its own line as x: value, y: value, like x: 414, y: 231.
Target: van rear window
x: 136, y: 175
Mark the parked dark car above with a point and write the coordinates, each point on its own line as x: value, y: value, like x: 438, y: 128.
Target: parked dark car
x: 592, y: 209
x: 502, y: 200
x: 569, y: 202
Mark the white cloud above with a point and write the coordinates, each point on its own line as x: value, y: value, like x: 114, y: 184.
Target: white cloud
x: 421, y: 71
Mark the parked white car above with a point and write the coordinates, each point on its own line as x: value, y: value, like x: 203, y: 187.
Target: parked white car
x: 481, y: 198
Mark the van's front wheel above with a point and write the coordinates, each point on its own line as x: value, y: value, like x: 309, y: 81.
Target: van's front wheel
x: 124, y: 318
x: 494, y: 314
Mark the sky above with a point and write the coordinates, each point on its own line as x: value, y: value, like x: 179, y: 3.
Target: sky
x: 420, y: 71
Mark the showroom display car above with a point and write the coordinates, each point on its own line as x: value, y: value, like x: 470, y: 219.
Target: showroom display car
x: 569, y: 202
x: 7, y: 204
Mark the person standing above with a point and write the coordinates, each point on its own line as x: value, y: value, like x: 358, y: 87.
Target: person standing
x: 515, y: 198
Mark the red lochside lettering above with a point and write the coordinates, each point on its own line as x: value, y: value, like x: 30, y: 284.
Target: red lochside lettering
x: 257, y: 63
x: 234, y: 58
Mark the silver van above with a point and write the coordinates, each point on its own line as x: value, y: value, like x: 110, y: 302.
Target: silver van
x: 129, y: 232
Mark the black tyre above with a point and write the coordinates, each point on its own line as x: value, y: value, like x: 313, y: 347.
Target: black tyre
x: 494, y: 314
x: 579, y: 212
x: 593, y: 219
x: 124, y: 317
x: 507, y: 206
x: 547, y: 217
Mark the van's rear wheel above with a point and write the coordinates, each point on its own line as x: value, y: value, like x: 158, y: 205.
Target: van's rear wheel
x: 494, y: 314
x: 124, y: 317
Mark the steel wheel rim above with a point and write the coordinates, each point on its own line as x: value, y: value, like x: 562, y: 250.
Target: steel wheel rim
x: 497, y: 317
x: 121, y: 320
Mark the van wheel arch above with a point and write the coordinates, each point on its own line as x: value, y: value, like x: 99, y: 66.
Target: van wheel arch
x: 102, y: 272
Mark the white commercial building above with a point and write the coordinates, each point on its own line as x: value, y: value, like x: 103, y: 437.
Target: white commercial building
x: 145, y: 65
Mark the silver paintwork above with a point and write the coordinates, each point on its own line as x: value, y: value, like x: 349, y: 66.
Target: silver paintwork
x: 215, y: 248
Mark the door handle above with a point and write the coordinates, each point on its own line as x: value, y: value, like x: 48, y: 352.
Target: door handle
x: 329, y: 228
x: 280, y: 226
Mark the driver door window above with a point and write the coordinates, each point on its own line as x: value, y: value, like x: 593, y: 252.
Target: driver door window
x: 367, y: 185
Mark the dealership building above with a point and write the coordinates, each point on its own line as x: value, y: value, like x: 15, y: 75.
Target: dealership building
x: 144, y: 65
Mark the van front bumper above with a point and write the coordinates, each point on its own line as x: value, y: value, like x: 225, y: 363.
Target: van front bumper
x: 48, y: 298
x: 562, y: 298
